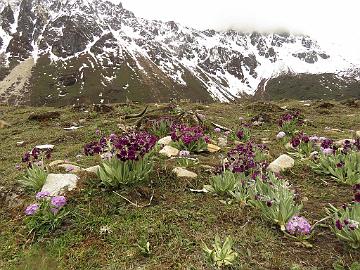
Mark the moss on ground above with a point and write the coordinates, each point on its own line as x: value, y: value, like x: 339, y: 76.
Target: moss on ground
x: 177, y: 221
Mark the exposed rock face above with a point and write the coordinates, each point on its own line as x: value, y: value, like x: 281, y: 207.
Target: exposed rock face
x: 101, y: 46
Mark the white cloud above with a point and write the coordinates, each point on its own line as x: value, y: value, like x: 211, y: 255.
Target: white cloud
x: 329, y: 21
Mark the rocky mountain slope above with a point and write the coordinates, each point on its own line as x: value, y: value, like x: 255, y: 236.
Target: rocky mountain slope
x: 59, y: 52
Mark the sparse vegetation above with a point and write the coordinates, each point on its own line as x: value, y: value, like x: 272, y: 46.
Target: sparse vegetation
x: 162, y: 223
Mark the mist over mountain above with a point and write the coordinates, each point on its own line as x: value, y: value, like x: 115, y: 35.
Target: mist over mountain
x: 58, y: 52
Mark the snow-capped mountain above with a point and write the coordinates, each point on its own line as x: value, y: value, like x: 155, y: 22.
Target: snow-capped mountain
x: 61, y: 51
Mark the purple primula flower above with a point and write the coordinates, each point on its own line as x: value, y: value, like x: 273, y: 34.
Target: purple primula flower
x: 298, y: 226
x: 42, y: 195
x: 353, y: 225
x: 269, y: 203
x: 184, y: 153
x: 58, y: 201
x: 327, y: 151
x: 97, y: 132
x: 31, y: 209
x: 314, y: 138
x: 54, y: 210
x: 280, y: 135
x: 227, y: 133
x: 217, y: 130
x: 326, y: 143
x: 295, y: 142
x: 338, y: 225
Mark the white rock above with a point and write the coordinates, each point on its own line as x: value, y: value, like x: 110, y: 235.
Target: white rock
x: 165, y: 141
x: 72, y: 128
x: 45, y: 147
x: 93, y: 169
x: 222, y: 141
x: 281, y: 163
x: 213, y: 148
x: 70, y: 168
x: 22, y: 143
x: 169, y: 151
x: 57, y: 162
x: 57, y: 184
x: 358, y: 133
x: 181, y: 172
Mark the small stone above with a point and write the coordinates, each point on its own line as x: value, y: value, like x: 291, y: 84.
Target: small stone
x: 222, y: 141
x: 181, y: 172
x: 213, y: 148
x: 72, y: 128
x: 22, y: 143
x: 57, y: 162
x: 45, y: 147
x: 282, y: 163
x: 82, y: 121
x: 314, y: 154
x: 165, y: 141
x: 70, y: 168
x: 358, y: 133
x: 257, y: 123
x: 93, y: 169
x: 57, y: 184
x: 169, y: 151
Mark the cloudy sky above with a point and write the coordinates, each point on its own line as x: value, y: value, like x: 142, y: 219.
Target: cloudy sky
x: 329, y: 21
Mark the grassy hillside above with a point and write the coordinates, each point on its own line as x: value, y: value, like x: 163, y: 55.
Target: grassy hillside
x: 310, y: 86
x: 177, y: 220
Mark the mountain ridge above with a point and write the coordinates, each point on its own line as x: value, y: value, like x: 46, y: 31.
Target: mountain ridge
x: 93, y: 49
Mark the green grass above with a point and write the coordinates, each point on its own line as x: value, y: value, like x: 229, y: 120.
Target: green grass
x: 177, y: 221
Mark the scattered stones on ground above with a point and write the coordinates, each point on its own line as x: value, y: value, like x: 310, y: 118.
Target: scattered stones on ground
x: 44, y: 116
x: 181, y: 172
x: 282, y: 163
x: 57, y: 184
x: 165, y: 141
x: 93, y: 169
x: 169, y: 151
x: 213, y: 148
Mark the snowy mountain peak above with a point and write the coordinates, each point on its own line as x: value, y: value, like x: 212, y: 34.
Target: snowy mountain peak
x: 78, y: 37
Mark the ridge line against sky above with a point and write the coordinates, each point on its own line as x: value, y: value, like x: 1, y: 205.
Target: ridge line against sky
x: 334, y: 24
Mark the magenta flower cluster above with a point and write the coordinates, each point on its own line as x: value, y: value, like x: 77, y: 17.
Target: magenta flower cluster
x: 346, y: 224
x: 288, y: 117
x: 34, y: 156
x: 43, y: 197
x: 298, y: 226
x: 242, y: 159
x: 298, y: 139
x: 129, y: 146
x: 188, y: 135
